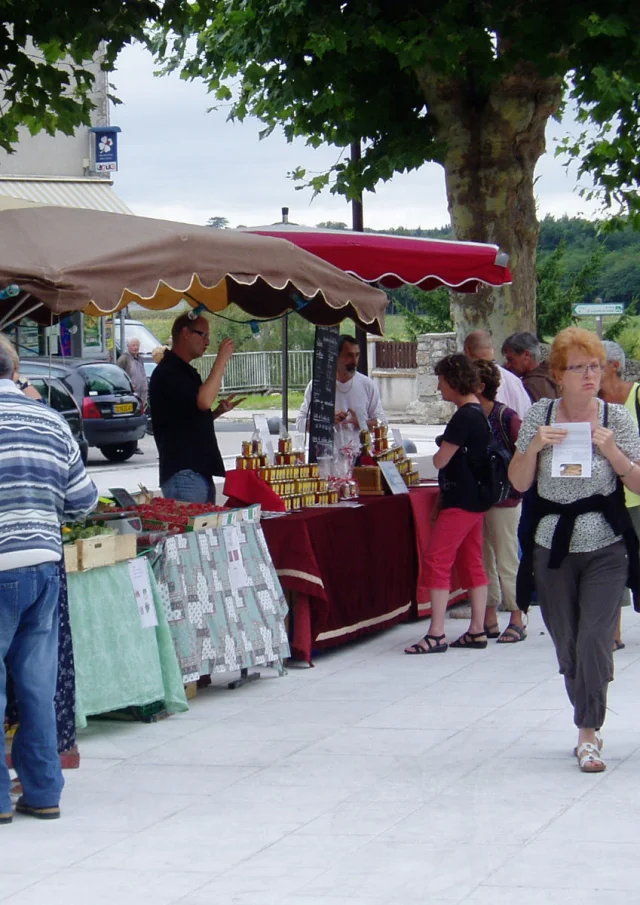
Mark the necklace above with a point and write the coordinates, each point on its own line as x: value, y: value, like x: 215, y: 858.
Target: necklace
x: 348, y: 389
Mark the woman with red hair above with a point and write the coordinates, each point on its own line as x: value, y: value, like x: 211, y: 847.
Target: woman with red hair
x: 582, y: 549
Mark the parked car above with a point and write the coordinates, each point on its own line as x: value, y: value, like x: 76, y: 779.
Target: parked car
x: 58, y: 397
x: 113, y: 418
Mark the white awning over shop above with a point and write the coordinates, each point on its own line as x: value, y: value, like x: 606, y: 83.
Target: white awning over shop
x: 88, y: 193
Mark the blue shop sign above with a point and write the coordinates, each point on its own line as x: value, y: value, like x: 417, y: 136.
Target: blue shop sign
x: 106, y: 148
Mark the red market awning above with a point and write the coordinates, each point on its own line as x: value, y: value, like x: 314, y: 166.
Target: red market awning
x: 391, y: 261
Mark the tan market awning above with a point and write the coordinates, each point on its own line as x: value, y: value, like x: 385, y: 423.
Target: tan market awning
x: 91, y: 194
x: 99, y: 262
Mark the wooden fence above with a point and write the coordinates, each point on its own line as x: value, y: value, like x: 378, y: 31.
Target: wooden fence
x: 390, y: 354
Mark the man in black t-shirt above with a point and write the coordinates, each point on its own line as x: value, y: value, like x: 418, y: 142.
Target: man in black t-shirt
x: 181, y: 413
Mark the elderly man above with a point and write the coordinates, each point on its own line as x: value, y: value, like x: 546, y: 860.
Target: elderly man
x: 614, y: 388
x: 131, y: 362
x: 181, y: 413
x: 357, y: 396
x: 523, y: 357
x: 479, y: 345
x: 42, y: 483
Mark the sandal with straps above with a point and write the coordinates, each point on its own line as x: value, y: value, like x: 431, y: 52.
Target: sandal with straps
x: 589, y: 758
x: 471, y: 640
x: 439, y: 646
x: 599, y: 744
x: 512, y: 634
x: 492, y: 631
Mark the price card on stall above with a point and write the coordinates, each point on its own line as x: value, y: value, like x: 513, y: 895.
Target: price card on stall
x: 392, y: 476
x: 139, y: 575
x: 238, y: 577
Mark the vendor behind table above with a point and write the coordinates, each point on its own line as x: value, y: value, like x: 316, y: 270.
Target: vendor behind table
x: 357, y: 396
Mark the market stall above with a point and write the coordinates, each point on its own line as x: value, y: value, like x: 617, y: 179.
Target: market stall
x: 124, y: 653
x: 222, y: 600
x: 60, y: 260
x: 353, y: 570
x: 203, y: 599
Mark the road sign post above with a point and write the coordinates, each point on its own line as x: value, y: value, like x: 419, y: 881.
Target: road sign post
x: 598, y: 310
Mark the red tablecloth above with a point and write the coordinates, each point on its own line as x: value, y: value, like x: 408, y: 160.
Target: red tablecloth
x: 355, y: 571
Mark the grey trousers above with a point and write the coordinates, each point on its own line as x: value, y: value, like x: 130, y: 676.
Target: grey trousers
x: 579, y: 603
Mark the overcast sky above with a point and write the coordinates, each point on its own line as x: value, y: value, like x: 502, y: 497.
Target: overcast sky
x: 179, y: 162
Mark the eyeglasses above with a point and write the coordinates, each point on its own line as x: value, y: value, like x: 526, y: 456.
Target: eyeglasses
x: 583, y: 370
x: 201, y: 333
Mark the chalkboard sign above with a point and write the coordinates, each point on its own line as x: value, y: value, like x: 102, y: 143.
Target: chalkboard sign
x: 323, y: 388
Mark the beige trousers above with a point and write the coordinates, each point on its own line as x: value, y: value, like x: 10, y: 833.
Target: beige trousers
x: 500, y: 555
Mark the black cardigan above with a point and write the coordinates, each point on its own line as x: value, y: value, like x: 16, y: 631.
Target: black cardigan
x: 612, y: 508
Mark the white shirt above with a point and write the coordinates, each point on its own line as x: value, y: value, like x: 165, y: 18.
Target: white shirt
x: 9, y: 386
x: 359, y: 393
x: 511, y: 392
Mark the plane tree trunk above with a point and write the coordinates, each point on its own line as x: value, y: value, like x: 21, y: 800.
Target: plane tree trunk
x: 491, y: 143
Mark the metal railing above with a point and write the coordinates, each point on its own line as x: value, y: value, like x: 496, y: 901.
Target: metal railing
x: 260, y: 371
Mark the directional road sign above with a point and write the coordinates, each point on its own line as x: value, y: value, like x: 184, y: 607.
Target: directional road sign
x: 597, y: 310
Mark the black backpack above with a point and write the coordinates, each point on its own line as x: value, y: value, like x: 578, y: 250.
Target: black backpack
x: 491, y: 473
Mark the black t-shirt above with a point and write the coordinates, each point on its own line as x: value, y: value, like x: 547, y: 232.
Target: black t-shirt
x: 469, y: 429
x: 184, y: 434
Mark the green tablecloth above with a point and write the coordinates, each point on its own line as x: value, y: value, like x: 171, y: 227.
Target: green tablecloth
x: 118, y: 662
x: 222, y: 599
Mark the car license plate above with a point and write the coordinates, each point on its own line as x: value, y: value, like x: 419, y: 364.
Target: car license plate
x: 123, y: 409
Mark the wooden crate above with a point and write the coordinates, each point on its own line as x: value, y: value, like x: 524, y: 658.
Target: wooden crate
x: 70, y: 552
x: 126, y: 547
x: 369, y: 478
x: 96, y: 551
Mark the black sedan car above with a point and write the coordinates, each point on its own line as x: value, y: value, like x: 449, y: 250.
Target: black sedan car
x: 58, y: 397
x: 113, y: 418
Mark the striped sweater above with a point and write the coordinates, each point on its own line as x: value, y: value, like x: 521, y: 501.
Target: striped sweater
x: 43, y: 481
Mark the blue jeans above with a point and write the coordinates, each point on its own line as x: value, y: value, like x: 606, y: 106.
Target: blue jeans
x: 29, y: 645
x: 189, y: 487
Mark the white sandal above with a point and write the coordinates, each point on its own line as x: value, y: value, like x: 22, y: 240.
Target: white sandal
x: 599, y: 744
x: 589, y: 758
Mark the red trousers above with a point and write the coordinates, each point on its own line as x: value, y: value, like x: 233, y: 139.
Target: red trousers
x: 456, y: 538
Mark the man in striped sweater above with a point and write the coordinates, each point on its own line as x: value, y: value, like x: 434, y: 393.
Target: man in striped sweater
x: 42, y: 483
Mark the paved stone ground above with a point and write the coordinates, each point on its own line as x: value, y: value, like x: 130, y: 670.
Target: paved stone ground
x: 373, y: 779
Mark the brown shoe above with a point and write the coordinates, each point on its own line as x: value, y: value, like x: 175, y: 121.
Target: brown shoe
x: 51, y: 813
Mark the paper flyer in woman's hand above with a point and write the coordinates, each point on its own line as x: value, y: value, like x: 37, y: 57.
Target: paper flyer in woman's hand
x: 572, y: 457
